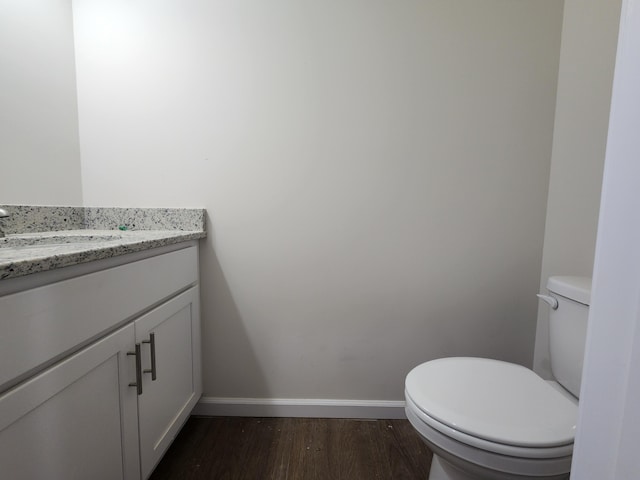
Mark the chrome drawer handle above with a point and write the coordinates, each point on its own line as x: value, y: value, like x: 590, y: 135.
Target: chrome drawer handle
x: 138, y: 382
x: 152, y: 343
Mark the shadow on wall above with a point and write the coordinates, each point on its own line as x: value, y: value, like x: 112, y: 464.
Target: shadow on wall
x: 228, y: 356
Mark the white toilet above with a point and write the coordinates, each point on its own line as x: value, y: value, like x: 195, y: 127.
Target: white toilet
x: 493, y: 420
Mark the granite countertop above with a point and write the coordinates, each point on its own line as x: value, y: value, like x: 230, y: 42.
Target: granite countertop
x: 41, y: 238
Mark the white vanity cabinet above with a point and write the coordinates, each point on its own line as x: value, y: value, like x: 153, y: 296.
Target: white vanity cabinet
x: 169, y: 335
x: 75, y: 420
x: 100, y: 408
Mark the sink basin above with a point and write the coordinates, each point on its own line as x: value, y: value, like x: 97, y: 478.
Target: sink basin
x: 47, y: 239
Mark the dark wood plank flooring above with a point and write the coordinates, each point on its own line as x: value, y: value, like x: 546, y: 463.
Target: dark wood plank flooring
x: 237, y: 448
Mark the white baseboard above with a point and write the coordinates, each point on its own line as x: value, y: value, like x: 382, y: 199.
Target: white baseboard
x: 296, y: 407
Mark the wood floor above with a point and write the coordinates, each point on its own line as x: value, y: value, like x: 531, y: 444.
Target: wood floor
x: 236, y: 448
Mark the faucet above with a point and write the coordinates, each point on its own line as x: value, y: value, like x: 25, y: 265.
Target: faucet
x: 3, y: 214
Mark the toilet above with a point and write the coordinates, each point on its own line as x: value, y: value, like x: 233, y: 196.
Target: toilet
x: 487, y: 419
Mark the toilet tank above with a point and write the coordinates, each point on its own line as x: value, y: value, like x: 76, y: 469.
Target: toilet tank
x: 568, y: 328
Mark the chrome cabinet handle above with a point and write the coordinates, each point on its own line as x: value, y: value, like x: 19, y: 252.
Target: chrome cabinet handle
x: 138, y: 382
x: 152, y: 343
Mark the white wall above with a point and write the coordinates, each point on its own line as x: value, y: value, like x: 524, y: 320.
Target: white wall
x: 39, y: 146
x: 587, y: 57
x: 609, y: 424
x: 375, y: 174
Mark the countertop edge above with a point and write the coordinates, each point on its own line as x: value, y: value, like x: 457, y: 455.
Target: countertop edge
x: 90, y: 253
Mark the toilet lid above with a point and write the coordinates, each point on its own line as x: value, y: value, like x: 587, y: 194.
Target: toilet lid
x: 493, y: 400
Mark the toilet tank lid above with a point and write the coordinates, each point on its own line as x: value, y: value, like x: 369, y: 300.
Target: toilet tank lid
x: 574, y: 288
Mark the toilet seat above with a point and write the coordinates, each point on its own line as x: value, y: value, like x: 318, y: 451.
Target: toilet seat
x: 504, y: 465
x: 493, y: 405
x: 417, y: 415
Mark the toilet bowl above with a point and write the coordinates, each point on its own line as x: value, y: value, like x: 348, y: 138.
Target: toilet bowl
x: 487, y: 419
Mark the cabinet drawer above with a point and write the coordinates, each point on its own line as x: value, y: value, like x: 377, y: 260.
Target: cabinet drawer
x: 42, y: 324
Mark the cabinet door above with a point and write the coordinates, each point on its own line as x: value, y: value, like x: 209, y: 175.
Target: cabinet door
x: 167, y: 401
x: 75, y: 420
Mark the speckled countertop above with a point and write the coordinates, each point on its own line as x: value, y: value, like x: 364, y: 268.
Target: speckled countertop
x: 41, y: 238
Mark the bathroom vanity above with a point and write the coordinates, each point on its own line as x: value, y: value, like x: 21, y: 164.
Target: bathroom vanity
x: 100, y: 360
